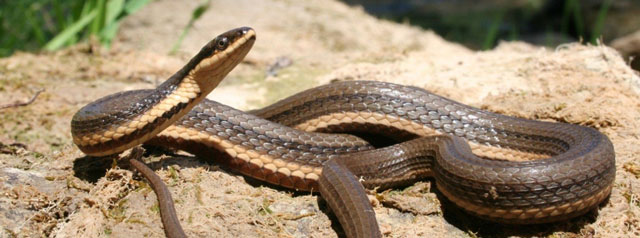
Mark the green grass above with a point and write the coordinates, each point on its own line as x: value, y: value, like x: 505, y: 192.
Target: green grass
x: 492, y: 32
x: 483, y: 27
x: 195, y: 15
x: 602, y: 16
x: 30, y: 25
x: 573, y: 10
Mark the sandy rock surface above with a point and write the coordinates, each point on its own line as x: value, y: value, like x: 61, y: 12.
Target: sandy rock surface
x: 49, y: 188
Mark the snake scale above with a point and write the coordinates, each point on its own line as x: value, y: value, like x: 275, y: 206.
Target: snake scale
x: 497, y: 167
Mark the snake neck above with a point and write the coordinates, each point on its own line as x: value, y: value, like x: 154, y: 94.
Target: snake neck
x: 120, y: 121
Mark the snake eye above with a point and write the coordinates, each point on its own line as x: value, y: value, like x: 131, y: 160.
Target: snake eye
x: 222, y: 43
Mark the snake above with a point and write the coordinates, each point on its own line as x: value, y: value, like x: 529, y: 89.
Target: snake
x: 340, y: 138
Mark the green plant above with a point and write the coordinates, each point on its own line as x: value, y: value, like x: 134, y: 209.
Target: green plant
x: 492, y: 32
x: 53, y: 24
x: 101, y: 18
x: 602, y: 16
x: 572, y: 9
x: 195, y: 15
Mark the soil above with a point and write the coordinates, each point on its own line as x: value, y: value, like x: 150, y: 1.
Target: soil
x: 49, y: 188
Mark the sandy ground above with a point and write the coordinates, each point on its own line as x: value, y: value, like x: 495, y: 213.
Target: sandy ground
x: 49, y: 188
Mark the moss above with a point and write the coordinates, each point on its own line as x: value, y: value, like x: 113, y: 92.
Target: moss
x: 199, y: 194
x: 155, y: 208
x: 118, y: 212
x: 558, y: 107
x: 142, y: 187
x: 632, y: 168
x: 174, y: 176
x: 264, y: 207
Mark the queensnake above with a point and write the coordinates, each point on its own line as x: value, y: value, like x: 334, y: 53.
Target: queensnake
x: 497, y: 167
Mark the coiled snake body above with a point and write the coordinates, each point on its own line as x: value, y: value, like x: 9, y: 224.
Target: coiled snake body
x: 497, y: 167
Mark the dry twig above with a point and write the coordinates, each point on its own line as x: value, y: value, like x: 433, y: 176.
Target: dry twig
x: 20, y: 104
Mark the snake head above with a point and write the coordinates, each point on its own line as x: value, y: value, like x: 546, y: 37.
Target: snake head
x: 218, y: 57
x: 224, y: 40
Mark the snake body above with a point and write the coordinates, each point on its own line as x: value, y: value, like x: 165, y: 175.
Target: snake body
x: 497, y: 167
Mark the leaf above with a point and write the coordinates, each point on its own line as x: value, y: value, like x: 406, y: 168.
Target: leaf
x: 98, y: 21
x: 108, y: 33
x: 197, y: 13
x: 600, y: 19
x: 69, y: 32
x: 114, y: 9
x: 134, y: 5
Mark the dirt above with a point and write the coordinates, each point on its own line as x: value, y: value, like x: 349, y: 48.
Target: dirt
x: 49, y: 188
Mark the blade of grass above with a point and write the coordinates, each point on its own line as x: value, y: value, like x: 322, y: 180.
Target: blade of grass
x: 59, y: 15
x: 108, y: 33
x: 59, y: 40
x: 492, y: 33
x: 98, y: 21
x: 134, y: 5
x: 566, y: 16
x: 2, y: 31
x: 52, y: 24
x: 577, y: 18
x: 77, y: 12
x: 602, y: 16
x: 195, y: 15
x: 114, y: 9
x: 87, y: 7
x: 513, y: 32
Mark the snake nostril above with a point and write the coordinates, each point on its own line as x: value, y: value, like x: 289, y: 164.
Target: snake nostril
x: 245, y: 30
